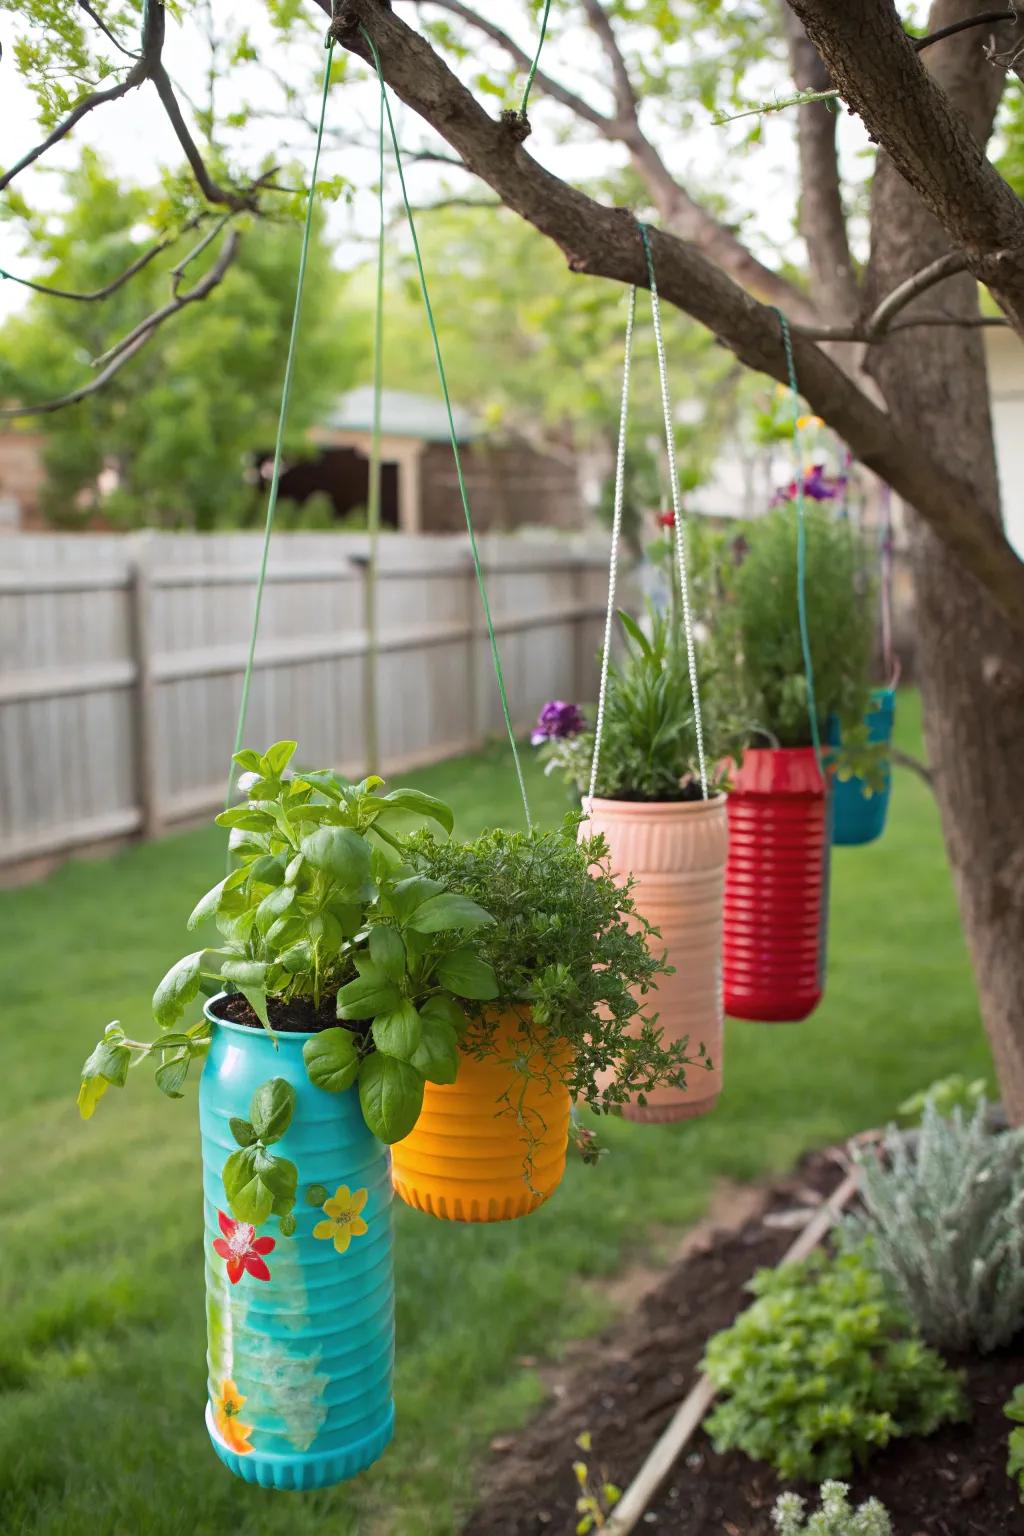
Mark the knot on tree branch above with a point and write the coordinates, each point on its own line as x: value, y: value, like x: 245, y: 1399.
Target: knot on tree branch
x: 516, y: 124
x: 349, y: 16
x: 1002, y: 678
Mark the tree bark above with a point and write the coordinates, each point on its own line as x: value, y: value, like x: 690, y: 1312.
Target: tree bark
x: 970, y: 661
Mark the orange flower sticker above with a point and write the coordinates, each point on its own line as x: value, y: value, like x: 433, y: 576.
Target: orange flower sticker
x: 227, y: 1407
x: 344, y: 1221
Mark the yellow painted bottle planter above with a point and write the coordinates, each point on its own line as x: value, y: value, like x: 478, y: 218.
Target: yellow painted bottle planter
x: 490, y: 1146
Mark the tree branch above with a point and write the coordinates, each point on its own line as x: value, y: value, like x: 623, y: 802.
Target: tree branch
x: 604, y: 242
x: 625, y: 96
x: 129, y: 346
x: 934, y: 272
x: 877, y: 71
x: 904, y: 760
x: 822, y: 216
x: 677, y: 210
x: 94, y: 15
x: 115, y: 283
x: 211, y: 190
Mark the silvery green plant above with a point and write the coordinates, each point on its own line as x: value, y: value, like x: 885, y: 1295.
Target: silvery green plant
x: 943, y: 1210
x: 834, y: 1518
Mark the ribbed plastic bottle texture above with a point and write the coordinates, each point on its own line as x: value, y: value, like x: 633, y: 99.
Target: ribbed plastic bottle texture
x: 300, y: 1363
x: 858, y: 817
x: 677, y: 852
x: 491, y: 1146
x: 776, y: 886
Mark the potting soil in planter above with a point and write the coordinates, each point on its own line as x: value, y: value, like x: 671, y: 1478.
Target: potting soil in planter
x: 301, y: 1327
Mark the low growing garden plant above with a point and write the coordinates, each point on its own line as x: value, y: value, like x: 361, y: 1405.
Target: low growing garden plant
x: 943, y: 1210
x: 1014, y: 1410
x: 824, y: 1368
x: 834, y: 1518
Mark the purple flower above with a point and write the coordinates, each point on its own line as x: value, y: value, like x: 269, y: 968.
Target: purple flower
x: 558, y: 719
x: 816, y: 484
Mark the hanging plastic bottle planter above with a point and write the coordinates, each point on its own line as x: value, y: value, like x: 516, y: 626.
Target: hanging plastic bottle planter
x: 492, y: 1145
x: 300, y: 1309
x: 858, y: 814
x: 776, y: 886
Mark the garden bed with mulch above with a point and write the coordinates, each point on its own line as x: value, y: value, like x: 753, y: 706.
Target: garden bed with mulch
x: 625, y: 1387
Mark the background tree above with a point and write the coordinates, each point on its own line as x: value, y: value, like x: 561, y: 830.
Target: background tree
x: 909, y: 394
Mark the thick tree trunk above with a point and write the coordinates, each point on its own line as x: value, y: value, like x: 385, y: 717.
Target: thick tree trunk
x: 971, y: 663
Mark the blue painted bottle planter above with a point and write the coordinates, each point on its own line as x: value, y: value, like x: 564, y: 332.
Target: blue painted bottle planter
x: 301, y: 1328
x: 857, y: 816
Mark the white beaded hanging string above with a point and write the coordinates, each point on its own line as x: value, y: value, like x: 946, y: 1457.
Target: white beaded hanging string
x: 620, y: 476
x: 678, y: 526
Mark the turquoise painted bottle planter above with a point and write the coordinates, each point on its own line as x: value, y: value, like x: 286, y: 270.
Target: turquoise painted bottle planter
x: 857, y: 816
x: 301, y: 1328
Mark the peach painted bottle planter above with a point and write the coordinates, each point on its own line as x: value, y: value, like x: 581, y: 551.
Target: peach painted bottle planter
x: 677, y: 852
x: 466, y: 1158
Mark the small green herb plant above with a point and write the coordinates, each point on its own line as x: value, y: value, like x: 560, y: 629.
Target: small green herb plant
x: 945, y: 1095
x: 757, y: 648
x: 1014, y: 1410
x: 649, y: 741
x: 571, y: 958
x: 822, y: 1369
x: 834, y: 1518
x: 321, y: 907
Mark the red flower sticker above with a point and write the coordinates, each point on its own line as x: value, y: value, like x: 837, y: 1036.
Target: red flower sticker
x: 242, y: 1249
x: 666, y: 519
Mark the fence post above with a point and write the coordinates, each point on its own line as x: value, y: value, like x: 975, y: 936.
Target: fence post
x: 581, y: 659
x: 477, y: 734
x: 371, y: 714
x: 140, y: 640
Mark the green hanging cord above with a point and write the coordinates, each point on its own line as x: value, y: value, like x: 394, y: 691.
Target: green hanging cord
x: 531, y: 77
x: 801, y: 541
x: 374, y: 482
x: 275, y: 478
x: 442, y: 376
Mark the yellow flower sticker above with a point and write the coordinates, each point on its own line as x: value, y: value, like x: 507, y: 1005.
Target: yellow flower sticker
x: 344, y: 1221
x: 227, y: 1407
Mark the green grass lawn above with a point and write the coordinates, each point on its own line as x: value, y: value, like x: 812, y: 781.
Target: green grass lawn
x: 102, y: 1376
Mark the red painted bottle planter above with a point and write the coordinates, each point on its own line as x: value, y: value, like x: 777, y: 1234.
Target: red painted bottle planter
x: 776, y: 886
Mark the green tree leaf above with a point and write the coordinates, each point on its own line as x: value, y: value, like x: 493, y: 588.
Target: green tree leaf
x: 391, y: 1096
x: 272, y: 1108
x: 465, y: 974
x: 332, y: 1059
x: 398, y: 1032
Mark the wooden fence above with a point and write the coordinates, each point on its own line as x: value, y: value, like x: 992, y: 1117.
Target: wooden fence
x: 121, y: 660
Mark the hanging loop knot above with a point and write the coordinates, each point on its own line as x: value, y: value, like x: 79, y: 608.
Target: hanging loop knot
x: 515, y: 121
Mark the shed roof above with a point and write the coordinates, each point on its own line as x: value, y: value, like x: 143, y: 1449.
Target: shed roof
x: 402, y: 415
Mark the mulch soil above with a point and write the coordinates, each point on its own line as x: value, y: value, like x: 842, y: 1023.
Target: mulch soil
x: 628, y: 1383
x: 296, y: 1016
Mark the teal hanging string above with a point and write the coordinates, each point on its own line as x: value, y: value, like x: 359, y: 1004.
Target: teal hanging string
x: 531, y: 77
x: 373, y: 489
x: 275, y: 478
x: 801, y: 541
x: 442, y: 376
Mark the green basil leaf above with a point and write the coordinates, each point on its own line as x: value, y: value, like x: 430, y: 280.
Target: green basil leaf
x: 286, y: 1225
x: 391, y: 1096
x: 341, y: 853
x: 274, y: 905
x: 447, y: 1010
x: 206, y: 906
x: 276, y: 758
x: 272, y: 1108
x: 387, y: 951
x: 107, y: 1066
x: 332, y: 1059
x: 437, y: 1056
x: 293, y: 869
x: 268, y: 869
x: 371, y: 993
x: 465, y: 974
x: 282, y: 1177
x: 248, y: 760
x: 249, y: 1196
x: 439, y: 914
x: 244, y: 819
x: 171, y: 1075
x: 297, y: 958
x: 406, y: 895
x: 242, y: 1131
x: 398, y: 1032
x: 316, y: 1194
x: 177, y: 989
x: 415, y: 802
x: 321, y: 779
x: 244, y: 973
x: 256, y: 997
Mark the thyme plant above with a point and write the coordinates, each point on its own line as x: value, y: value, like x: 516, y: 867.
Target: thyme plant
x: 834, y: 1518
x: 571, y: 958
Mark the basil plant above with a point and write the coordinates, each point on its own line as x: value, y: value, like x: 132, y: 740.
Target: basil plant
x: 321, y: 907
